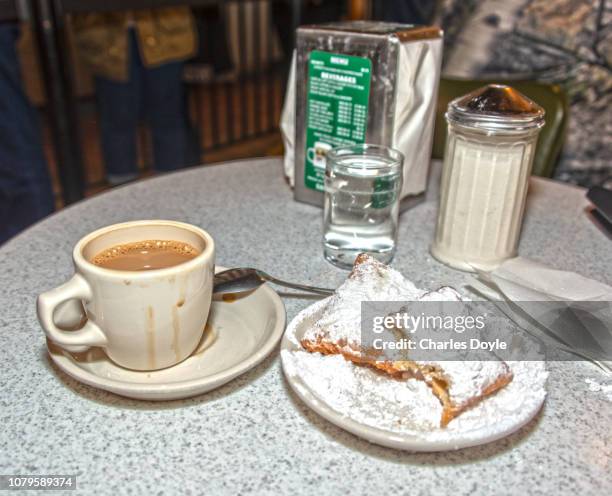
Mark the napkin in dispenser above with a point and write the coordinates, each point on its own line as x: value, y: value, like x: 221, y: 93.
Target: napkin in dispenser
x: 360, y: 82
x: 562, y: 309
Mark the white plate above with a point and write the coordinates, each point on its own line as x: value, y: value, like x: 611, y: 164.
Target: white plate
x: 505, y: 412
x: 239, y: 336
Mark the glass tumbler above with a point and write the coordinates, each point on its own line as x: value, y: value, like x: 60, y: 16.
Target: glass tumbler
x: 362, y: 190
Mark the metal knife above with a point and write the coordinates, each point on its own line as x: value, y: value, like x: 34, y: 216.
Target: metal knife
x: 601, y: 198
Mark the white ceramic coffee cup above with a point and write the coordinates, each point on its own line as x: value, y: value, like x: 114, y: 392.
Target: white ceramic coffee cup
x: 145, y: 320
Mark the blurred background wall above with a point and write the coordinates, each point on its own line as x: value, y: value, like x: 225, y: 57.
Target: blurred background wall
x: 561, y: 41
x: 237, y: 102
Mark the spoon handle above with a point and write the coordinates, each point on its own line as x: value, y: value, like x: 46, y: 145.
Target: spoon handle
x: 300, y: 287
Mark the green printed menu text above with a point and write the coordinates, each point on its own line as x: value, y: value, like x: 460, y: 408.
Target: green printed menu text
x: 337, y: 108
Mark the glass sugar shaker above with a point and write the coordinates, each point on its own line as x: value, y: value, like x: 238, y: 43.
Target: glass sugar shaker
x: 491, y: 141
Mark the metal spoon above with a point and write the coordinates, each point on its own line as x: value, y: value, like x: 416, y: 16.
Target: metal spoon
x: 244, y: 279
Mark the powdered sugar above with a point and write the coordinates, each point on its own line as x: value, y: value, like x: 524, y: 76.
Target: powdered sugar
x: 369, y: 281
x: 339, y: 322
x: 404, y: 407
x: 408, y: 407
x: 598, y: 387
x: 365, y: 395
x: 469, y: 379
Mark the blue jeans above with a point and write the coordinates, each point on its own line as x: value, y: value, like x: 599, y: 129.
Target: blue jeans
x: 158, y: 95
x: 25, y: 187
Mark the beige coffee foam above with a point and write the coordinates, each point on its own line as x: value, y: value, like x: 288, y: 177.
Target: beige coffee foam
x: 150, y: 245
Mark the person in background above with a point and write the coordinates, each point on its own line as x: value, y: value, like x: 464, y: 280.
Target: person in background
x: 137, y: 58
x: 407, y: 11
x: 311, y: 12
x: 25, y: 187
x: 213, y: 48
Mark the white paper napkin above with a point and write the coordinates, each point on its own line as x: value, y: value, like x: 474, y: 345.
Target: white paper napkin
x: 523, y: 279
x: 563, y: 309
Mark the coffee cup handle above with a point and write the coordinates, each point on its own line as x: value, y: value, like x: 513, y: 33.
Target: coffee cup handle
x: 76, y: 288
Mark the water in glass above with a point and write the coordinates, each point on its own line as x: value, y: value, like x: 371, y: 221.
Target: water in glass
x: 361, y: 206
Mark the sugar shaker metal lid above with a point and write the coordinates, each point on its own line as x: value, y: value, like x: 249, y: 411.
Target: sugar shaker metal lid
x: 496, y: 107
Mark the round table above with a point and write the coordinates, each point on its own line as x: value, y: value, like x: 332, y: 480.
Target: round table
x: 254, y: 435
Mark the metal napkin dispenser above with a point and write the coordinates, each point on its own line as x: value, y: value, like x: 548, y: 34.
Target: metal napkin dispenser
x: 360, y: 82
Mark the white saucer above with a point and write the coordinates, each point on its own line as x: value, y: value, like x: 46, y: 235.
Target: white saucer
x: 495, y: 417
x: 239, y: 336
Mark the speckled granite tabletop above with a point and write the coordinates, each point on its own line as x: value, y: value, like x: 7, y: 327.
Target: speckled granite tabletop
x: 253, y: 435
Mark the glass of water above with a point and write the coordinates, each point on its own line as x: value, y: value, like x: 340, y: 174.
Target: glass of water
x: 362, y: 190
